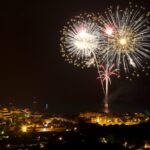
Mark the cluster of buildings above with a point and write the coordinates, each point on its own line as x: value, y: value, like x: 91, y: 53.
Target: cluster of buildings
x: 11, y: 114
x: 115, y: 119
x: 28, y: 121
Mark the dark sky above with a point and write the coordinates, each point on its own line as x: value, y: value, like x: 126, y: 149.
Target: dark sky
x: 31, y: 64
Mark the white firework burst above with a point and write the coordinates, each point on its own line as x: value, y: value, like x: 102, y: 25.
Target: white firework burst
x: 81, y: 40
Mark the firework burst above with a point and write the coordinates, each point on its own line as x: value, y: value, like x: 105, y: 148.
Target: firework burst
x: 81, y: 40
x: 127, y: 38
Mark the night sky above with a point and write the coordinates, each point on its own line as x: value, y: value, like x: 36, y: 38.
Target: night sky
x: 31, y: 66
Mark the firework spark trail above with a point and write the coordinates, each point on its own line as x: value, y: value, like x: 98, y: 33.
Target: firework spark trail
x: 106, y: 74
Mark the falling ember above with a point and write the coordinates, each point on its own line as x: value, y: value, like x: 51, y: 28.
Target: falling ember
x: 132, y: 62
x: 90, y: 62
